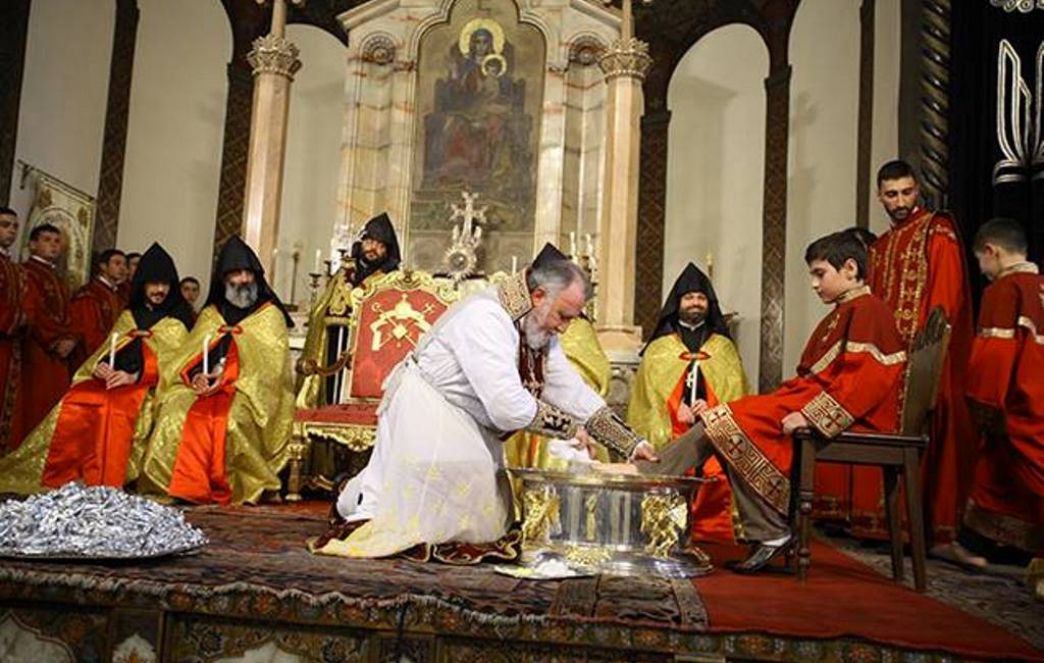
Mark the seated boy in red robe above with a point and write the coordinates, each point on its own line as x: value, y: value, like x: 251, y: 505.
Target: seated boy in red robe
x: 846, y: 379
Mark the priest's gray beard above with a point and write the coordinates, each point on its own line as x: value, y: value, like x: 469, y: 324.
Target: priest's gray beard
x: 242, y: 296
x: 537, y: 337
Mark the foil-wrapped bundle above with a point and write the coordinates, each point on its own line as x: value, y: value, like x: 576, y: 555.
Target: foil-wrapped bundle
x: 94, y: 522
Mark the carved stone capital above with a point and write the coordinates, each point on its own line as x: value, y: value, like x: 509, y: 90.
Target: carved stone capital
x: 379, y: 50
x: 626, y: 57
x: 274, y: 55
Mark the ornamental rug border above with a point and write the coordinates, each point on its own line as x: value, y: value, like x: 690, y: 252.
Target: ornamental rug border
x: 257, y: 568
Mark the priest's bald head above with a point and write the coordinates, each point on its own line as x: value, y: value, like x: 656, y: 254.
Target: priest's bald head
x: 559, y: 289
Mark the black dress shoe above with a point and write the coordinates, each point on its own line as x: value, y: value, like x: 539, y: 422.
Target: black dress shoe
x: 760, y: 556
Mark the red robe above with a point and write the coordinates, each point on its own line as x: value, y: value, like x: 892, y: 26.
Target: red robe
x: 847, y: 378
x: 12, y: 290
x: 1007, y: 362
x: 45, y: 376
x: 93, y: 312
x: 914, y: 267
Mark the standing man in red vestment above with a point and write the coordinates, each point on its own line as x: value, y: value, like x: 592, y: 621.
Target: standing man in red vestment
x: 48, y: 338
x: 1006, y: 506
x: 124, y: 288
x: 12, y: 289
x: 97, y: 304
x: 847, y: 378
x: 916, y: 265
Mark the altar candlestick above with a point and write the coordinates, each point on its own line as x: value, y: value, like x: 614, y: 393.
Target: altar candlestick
x: 710, y: 266
x: 514, y: 264
x: 572, y: 244
x: 318, y: 260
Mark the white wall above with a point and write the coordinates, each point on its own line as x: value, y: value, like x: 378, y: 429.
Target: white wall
x: 64, y: 91
x: 885, y: 144
x: 309, y: 205
x: 715, y: 168
x: 824, y: 130
x: 175, y: 132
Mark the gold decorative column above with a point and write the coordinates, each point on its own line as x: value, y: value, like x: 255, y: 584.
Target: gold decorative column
x: 625, y: 64
x: 274, y: 60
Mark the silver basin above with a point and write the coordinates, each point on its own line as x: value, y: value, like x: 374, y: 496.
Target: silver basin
x: 610, y: 523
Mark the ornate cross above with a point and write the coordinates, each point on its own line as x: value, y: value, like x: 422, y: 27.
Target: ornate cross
x: 468, y: 214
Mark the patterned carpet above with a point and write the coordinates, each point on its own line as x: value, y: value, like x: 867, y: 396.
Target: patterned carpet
x: 999, y: 596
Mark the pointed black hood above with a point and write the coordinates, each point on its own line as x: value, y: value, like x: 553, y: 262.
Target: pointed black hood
x: 690, y: 280
x: 548, y: 254
x: 156, y: 266
x: 381, y: 229
x: 236, y: 255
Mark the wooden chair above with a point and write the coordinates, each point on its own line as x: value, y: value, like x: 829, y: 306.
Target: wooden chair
x: 898, y: 455
x: 389, y: 314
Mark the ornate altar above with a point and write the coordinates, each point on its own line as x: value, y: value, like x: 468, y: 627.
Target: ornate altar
x: 386, y: 318
x: 610, y: 523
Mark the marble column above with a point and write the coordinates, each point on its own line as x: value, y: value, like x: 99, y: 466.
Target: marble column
x: 625, y: 64
x: 274, y: 60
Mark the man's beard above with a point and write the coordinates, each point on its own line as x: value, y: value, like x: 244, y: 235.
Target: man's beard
x: 537, y: 337
x: 692, y: 318
x: 241, y: 296
x: 900, y: 214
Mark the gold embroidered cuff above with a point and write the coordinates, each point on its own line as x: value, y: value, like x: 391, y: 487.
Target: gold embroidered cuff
x: 608, y: 429
x: 552, y: 422
x: 827, y: 415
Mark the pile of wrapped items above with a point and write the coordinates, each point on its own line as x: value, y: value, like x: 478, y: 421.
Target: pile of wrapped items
x: 94, y: 522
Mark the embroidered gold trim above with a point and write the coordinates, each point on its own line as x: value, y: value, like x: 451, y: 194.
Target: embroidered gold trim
x: 875, y: 352
x: 1003, y: 528
x: 746, y: 459
x: 1019, y: 268
x: 1009, y: 333
x: 513, y: 294
x: 609, y: 430
x: 854, y: 293
x: 550, y: 421
x: 828, y: 358
x: 827, y: 415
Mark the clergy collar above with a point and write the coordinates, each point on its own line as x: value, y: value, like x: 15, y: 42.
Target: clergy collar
x: 1024, y: 267
x: 42, y: 261
x: 107, y: 283
x: 514, y: 296
x: 694, y: 327
x: 854, y: 293
x: 5, y: 252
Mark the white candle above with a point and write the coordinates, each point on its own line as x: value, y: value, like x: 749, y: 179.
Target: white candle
x: 572, y: 244
x: 514, y: 264
x: 589, y: 245
x: 206, y: 355
x: 318, y: 261
x: 112, y: 351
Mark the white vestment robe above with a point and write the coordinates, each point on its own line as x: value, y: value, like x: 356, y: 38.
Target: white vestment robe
x: 436, y: 470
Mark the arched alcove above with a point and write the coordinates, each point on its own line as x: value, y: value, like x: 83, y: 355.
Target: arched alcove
x: 715, y: 169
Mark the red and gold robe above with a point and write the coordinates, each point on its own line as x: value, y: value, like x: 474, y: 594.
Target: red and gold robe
x: 230, y: 445
x: 93, y: 312
x: 12, y: 290
x: 846, y: 379
x: 97, y: 435
x: 45, y: 375
x: 656, y: 394
x: 1007, y: 378
x: 914, y: 267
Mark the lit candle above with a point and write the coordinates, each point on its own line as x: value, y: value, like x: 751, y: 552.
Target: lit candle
x: 318, y: 261
x: 572, y: 244
x: 710, y: 265
x: 514, y: 264
x: 206, y: 355
x: 589, y: 245
x: 112, y: 351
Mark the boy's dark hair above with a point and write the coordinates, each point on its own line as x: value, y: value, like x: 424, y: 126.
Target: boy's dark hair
x: 895, y: 170
x: 188, y: 279
x: 836, y: 248
x: 865, y: 236
x: 1003, y: 232
x: 105, y: 256
x: 35, y: 233
x: 4, y: 209
x: 132, y: 255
